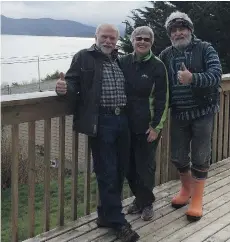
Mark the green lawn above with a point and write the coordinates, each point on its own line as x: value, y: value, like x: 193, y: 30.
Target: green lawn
x: 39, y: 196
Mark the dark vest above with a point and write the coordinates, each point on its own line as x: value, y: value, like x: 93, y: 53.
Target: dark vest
x: 202, y: 96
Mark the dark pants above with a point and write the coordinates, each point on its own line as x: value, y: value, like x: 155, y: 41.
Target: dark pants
x: 110, y: 150
x: 142, y: 167
x: 194, y: 137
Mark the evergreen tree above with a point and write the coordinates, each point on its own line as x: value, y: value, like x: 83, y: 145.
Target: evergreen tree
x: 154, y: 17
x: 211, y: 22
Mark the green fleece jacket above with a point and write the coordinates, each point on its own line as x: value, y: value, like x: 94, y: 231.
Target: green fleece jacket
x: 147, y: 92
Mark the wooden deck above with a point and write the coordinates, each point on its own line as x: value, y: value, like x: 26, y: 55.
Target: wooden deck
x: 168, y: 225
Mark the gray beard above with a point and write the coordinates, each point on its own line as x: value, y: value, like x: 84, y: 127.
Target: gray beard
x: 105, y: 51
x: 181, y: 45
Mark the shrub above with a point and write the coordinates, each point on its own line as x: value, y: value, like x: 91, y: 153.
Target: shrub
x: 55, y: 75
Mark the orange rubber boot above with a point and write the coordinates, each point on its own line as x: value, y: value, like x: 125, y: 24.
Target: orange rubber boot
x: 195, y: 209
x: 182, y: 198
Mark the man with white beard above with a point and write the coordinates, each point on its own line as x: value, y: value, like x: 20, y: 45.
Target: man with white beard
x: 95, y: 86
x: 194, y: 72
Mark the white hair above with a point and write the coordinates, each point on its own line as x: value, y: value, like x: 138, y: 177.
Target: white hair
x: 175, y: 15
x: 142, y: 30
x: 100, y: 26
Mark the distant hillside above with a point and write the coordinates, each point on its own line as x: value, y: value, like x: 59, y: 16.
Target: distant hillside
x: 45, y: 27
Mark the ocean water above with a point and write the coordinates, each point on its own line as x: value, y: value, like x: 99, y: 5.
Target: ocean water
x: 20, y: 55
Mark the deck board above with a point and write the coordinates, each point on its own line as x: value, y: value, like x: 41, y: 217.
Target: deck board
x: 213, y: 226
x: 168, y: 224
x: 179, y: 229
x: 220, y: 236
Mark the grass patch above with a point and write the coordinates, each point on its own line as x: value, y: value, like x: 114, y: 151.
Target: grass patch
x: 23, y: 220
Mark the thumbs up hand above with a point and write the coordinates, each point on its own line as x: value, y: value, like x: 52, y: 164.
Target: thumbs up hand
x: 61, y: 86
x: 184, y: 75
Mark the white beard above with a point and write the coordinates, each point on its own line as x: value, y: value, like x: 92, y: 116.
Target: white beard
x: 182, y: 44
x: 106, y: 51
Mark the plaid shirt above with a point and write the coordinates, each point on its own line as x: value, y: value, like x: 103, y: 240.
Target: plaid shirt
x: 113, y: 85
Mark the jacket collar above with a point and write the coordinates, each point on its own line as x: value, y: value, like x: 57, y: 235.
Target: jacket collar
x: 134, y: 58
x: 92, y: 48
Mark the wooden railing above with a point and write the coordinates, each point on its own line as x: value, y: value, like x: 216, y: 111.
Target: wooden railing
x: 21, y: 108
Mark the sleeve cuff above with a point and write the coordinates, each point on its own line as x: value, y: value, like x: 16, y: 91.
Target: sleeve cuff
x: 156, y: 129
x: 194, y: 80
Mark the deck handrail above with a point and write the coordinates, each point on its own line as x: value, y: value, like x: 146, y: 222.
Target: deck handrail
x: 31, y: 107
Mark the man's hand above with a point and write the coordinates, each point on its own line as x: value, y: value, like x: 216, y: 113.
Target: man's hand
x: 152, y: 135
x: 61, y: 86
x: 184, y: 76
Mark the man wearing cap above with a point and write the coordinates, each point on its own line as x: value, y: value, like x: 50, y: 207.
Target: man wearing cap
x: 194, y: 72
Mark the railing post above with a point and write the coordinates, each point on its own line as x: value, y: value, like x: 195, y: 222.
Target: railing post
x: 74, y: 175
x: 214, y: 139
x: 14, y: 181
x: 87, y: 174
x: 226, y: 124
x: 61, y: 169
x: 47, y: 145
x: 31, y: 178
x: 158, y: 164
x: 165, y: 151
x: 220, y: 128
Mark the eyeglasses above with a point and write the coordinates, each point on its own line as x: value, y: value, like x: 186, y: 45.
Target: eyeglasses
x: 141, y: 38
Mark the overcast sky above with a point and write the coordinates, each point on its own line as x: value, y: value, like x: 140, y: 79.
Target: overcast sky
x: 87, y: 12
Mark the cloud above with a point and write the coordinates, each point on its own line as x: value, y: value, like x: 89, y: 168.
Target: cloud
x: 87, y: 12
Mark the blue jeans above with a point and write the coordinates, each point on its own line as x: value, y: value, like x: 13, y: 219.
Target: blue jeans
x: 110, y: 151
x: 194, y: 137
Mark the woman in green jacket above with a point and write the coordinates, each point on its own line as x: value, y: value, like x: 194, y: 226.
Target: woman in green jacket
x: 147, y: 94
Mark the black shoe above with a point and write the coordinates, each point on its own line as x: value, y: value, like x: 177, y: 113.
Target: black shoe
x: 134, y: 208
x: 102, y: 223
x: 147, y: 213
x: 126, y: 234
